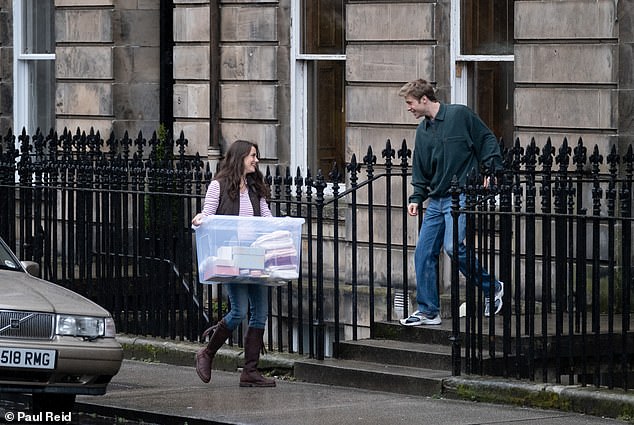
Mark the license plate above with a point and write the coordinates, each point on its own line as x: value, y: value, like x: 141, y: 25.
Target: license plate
x: 27, y: 358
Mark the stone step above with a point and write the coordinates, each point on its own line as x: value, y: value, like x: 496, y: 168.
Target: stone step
x: 433, y: 335
x: 402, y: 353
x: 371, y: 376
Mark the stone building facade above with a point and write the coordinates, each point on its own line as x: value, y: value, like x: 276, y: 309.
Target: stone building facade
x: 314, y: 81
x: 221, y: 70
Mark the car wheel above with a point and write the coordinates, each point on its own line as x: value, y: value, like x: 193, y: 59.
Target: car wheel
x: 56, y: 403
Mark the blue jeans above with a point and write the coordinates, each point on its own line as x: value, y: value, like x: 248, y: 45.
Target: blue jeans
x: 437, y: 232
x: 244, y: 298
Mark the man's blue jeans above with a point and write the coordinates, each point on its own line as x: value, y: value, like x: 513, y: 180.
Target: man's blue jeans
x: 243, y: 298
x: 437, y: 232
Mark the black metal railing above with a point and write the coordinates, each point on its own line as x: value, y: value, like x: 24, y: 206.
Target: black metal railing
x: 566, y: 265
x: 111, y: 220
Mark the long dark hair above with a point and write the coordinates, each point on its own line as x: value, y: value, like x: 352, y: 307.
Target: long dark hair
x: 232, y: 169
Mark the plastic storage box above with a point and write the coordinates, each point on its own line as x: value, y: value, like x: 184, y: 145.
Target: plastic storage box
x: 264, y: 250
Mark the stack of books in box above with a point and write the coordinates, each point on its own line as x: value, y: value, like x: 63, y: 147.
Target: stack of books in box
x: 263, y: 250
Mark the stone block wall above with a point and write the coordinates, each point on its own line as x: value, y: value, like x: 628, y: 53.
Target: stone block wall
x: 567, y: 71
x: 107, y: 66
x: 192, y: 73
x: 573, y: 69
x: 253, y: 88
x: 84, y: 65
x: 136, y: 66
x: 378, y: 63
x: 245, y: 44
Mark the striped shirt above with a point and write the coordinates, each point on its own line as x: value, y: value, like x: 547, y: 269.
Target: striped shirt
x: 212, y: 199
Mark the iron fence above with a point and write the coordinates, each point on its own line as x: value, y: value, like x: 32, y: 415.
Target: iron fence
x: 111, y: 219
x: 556, y: 226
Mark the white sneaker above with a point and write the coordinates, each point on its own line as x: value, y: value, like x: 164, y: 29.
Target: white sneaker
x: 497, y: 300
x: 418, y: 318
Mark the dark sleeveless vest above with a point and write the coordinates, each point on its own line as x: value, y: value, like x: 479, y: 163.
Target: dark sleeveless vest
x: 228, y: 206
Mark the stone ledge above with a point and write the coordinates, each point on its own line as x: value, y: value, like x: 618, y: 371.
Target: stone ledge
x: 570, y: 398
x: 229, y: 358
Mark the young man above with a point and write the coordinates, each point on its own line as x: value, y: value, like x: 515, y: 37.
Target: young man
x: 451, y: 140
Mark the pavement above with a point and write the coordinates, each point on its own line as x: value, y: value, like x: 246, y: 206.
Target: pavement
x: 157, y: 384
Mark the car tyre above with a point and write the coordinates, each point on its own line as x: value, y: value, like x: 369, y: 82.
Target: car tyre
x: 56, y: 403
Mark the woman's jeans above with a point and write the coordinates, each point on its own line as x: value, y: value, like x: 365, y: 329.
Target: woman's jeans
x: 245, y: 298
x: 437, y: 232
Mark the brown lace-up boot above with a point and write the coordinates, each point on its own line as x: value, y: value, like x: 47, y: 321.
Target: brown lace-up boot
x: 250, y: 376
x: 205, y: 356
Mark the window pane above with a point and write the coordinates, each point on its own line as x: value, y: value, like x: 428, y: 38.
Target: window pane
x: 37, y: 26
x: 487, y: 27
x: 491, y: 88
x: 322, y: 29
x: 326, y: 127
x: 41, y: 95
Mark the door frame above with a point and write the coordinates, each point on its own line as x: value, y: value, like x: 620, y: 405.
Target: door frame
x: 299, y: 90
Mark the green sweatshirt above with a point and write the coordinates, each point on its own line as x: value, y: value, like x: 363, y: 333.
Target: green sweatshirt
x: 454, y: 143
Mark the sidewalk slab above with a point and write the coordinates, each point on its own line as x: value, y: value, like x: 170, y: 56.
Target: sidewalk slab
x: 158, y: 384
x: 170, y: 394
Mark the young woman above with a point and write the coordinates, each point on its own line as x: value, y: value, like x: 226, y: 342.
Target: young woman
x: 238, y: 189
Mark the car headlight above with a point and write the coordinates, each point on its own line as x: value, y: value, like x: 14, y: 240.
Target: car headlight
x: 84, y: 326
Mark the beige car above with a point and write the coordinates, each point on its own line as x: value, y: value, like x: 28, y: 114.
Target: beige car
x: 54, y: 343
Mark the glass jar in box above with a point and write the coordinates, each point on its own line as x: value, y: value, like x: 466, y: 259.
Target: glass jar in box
x: 264, y: 250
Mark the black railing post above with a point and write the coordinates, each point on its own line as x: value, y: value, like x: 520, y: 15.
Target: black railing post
x: 353, y: 169
x: 580, y: 158
x: 597, y: 193
x: 320, y: 185
x: 493, y: 256
x: 520, y: 239
x: 546, y: 160
x: 470, y: 342
x: 404, y: 154
x: 299, y: 183
x: 288, y: 186
x: 456, y: 358
x: 626, y: 256
x: 613, y: 161
x: 49, y: 198
x: 277, y: 186
x: 561, y: 251
x: 26, y: 204
x: 388, y: 153
x: 370, y: 160
x: 310, y: 184
x: 335, y: 177
x: 506, y: 260
x: 80, y: 200
x: 37, y: 188
x: 530, y: 160
x: 579, y: 290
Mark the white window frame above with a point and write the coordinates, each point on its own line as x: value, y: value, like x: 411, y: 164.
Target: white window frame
x: 22, y: 100
x: 299, y: 88
x: 459, y: 72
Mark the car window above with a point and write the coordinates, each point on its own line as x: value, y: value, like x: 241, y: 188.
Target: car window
x: 7, y: 261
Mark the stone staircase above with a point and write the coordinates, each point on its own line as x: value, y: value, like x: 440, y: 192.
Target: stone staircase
x: 416, y: 360
x: 404, y: 360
